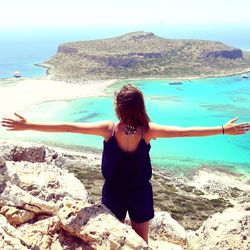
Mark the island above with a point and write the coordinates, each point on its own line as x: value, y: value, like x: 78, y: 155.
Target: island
x: 145, y: 55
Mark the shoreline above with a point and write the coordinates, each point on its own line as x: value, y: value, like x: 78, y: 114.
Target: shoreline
x: 63, y: 90
x: 191, y: 77
x: 188, y: 78
x: 32, y: 91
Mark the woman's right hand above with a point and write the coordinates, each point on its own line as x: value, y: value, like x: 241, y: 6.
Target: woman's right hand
x: 19, y: 124
x: 231, y: 128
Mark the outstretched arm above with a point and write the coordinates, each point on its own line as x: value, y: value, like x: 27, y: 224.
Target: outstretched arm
x: 95, y: 128
x: 230, y: 128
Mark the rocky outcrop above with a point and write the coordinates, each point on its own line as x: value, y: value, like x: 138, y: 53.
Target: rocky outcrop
x: 10, y: 238
x: 31, y: 154
x: 49, y: 210
x: 17, y: 197
x: 43, y: 207
x: 66, y: 50
x: 227, y: 230
x: 165, y: 228
x: 96, y: 226
x: 230, y: 54
x: 16, y: 216
x: 138, y: 36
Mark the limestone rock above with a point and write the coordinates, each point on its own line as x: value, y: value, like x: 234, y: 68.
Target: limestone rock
x: 65, y: 241
x: 221, y: 231
x: 15, y: 196
x: 3, y: 174
x: 231, y: 54
x: 49, y: 183
x: 39, y: 235
x: 16, y: 216
x: 7, y: 175
x: 26, y: 151
x: 160, y: 245
x: 10, y: 238
x: 164, y: 227
x: 96, y: 226
x: 31, y: 153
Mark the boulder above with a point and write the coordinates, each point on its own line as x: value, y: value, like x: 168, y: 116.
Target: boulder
x: 95, y: 225
x: 164, y: 227
x: 7, y: 175
x: 10, y: 237
x: 160, y: 245
x: 49, y: 183
x: 222, y: 231
x: 16, y: 197
x: 38, y: 235
x: 16, y: 216
x: 30, y: 153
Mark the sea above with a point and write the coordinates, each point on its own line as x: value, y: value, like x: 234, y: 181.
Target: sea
x: 199, y: 102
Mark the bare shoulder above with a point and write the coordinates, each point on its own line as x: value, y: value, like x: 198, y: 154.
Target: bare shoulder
x: 162, y: 131
x: 149, y: 133
x: 107, y: 127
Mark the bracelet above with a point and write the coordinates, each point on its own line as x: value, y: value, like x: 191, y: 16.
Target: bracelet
x: 223, y: 131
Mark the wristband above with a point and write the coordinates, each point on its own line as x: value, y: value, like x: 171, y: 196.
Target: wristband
x: 223, y: 131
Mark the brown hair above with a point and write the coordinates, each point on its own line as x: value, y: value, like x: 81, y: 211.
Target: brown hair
x: 130, y: 107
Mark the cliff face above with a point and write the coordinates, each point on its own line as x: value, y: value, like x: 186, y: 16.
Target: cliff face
x: 142, y: 54
x: 231, y: 54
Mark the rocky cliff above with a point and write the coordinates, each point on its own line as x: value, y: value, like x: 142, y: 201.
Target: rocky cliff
x: 143, y: 54
x: 43, y: 206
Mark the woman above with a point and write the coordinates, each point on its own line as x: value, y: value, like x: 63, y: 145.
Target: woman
x: 126, y: 163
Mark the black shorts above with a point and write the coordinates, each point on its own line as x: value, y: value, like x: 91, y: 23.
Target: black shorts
x: 138, y: 202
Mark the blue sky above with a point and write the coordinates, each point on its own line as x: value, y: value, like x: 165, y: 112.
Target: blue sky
x: 87, y: 13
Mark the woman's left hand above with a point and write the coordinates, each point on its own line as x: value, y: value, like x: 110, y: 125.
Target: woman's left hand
x: 231, y: 128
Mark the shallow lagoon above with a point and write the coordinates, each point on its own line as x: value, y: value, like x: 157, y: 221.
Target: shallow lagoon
x: 202, y: 102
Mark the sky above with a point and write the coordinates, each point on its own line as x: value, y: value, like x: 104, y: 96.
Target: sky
x: 99, y: 13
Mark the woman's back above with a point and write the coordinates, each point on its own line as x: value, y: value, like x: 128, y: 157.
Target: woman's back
x: 128, y: 142
x: 125, y: 158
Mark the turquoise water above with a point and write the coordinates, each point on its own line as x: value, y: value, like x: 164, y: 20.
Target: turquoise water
x: 204, y: 102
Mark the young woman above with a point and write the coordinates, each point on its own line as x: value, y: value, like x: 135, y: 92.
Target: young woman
x: 126, y: 163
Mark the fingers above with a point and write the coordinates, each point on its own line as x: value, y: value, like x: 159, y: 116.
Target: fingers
x: 19, y: 116
x: 244, y: 123
x: 7, y: 124
x: 243, y: 126
x: 234, y: 120
x: 7, y: 120
x: 10, y: 129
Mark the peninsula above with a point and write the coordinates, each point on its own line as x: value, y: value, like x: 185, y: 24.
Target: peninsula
x: 144, y: 55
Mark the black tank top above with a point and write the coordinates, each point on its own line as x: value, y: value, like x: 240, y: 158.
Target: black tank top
x: 123, y: 170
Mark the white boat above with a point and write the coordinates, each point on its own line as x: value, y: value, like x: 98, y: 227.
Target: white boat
x: 17, y: 74
x: 244, y: 76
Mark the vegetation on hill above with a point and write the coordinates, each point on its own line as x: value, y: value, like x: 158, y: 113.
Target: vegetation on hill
x: 145, y: 55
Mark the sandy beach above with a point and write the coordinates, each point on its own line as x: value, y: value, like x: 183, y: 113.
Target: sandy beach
x: 18, y: 94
